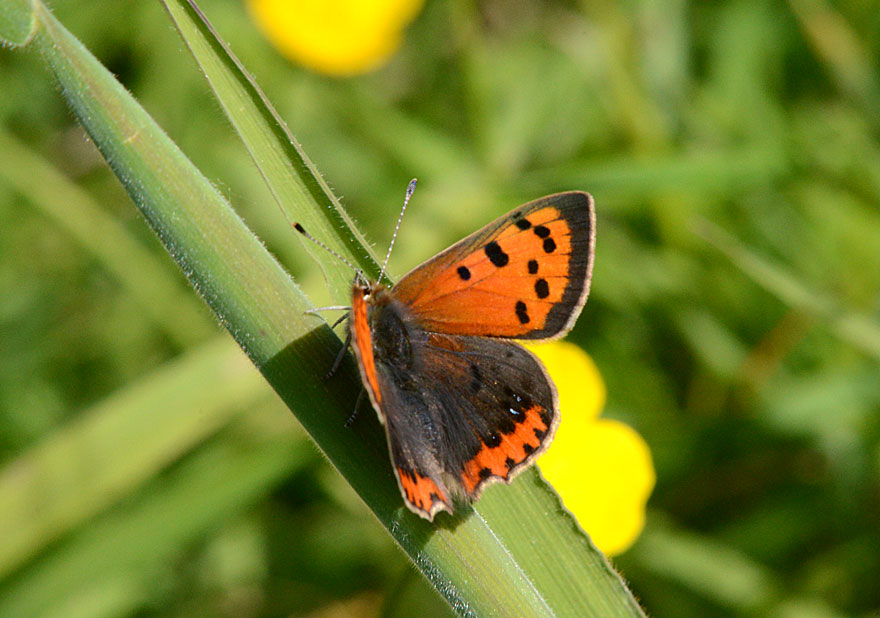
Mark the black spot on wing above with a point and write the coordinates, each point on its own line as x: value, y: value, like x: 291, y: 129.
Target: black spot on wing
x: 464, y: 272
x: 541, y: 231
x: 507, y: 426
x: 523, y: 224
x: 496, y: 255
x: 522, y: 312
x: 545, y: 417
x: 533, y: 267
x: 549, y: 245
x: 542, y: 289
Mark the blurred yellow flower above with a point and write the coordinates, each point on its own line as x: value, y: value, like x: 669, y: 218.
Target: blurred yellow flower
x: 601, y: 468
x: 337, y: 37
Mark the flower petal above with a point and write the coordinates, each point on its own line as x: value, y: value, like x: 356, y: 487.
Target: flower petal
x: 578, y: 381
x: 337, y: 37
x: 605, y: 480
x: 601, y: 468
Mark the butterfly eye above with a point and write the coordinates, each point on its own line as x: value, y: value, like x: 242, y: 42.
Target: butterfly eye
x: 369, y: 290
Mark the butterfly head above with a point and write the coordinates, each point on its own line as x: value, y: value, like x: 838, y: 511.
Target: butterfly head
x: 368, y: 290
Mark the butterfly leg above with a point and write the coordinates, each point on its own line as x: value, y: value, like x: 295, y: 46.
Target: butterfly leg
x: 318, y: 310
x: 354, y: 413
x: 338, y: 361
x: 339, y: 320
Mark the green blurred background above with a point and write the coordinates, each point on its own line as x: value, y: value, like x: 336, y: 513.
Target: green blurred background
x: 732, y: 148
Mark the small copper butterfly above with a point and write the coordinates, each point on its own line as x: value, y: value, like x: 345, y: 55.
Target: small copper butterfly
x: 463, y: 405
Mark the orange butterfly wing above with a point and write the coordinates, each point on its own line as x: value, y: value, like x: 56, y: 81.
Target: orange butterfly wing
x: 461, y: 407
x: 526, y: 275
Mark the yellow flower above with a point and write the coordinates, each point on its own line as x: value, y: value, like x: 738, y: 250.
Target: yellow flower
x: 337, y: 37
x: 601, y: 468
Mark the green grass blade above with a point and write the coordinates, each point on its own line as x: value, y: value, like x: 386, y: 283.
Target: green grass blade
x: 108, y: 450
x: 16, y: 22
x: 837, y: 45
x: 858, y: 330
x: 518, y: 554
x: 149, y: 281
x: 722, y: 574
x: 287, y: 170
x: 640, y: 177
x: 220, y: 480
x: 247, y: 289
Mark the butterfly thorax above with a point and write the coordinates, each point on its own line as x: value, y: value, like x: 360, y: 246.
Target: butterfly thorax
x: 391, y: 327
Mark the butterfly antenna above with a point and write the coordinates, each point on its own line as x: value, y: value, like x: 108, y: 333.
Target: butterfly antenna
x: 303, y: 231
x: 409, y: 192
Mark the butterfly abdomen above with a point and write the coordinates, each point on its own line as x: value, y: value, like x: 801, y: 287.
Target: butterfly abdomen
x: 383, y: 332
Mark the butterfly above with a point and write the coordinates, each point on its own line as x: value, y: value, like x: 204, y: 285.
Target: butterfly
x: 463, y: 405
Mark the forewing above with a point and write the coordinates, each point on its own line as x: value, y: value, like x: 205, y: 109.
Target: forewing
x: 469, y: 411
x: 526, y: 275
